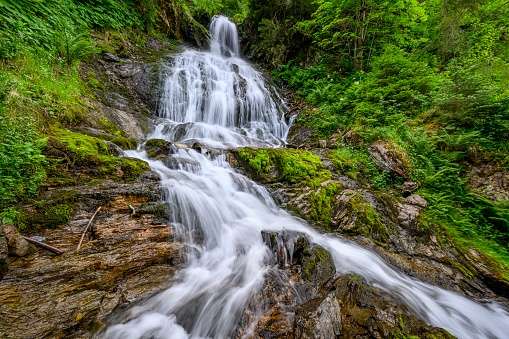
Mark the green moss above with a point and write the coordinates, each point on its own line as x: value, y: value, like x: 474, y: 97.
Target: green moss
x: 125, y: 143
x: 48, y: 214
x: 292, y: 166
x: 316, y: 259
x: 83, y: 147
x: 133, y: 168
x: 95, y: 84
x: 322, y: 201
x: 367, y: 223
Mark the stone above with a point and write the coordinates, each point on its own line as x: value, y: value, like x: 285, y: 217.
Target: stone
x: 158, y: 148
x: 322, y: 143
x: 388, y: 158
x: 111, y: 57
x: 197, y: 147
x: 318, y: 318
x: 490, y: 181
x: 352, y: 138
x: 4, y: 251
x: 333, y: 140
x: 18, y: 246
x: 416, y: 199
x: 409, y: 187
x: 408, y: 216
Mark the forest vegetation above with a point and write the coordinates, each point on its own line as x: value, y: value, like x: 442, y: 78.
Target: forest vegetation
x: 431, y: 77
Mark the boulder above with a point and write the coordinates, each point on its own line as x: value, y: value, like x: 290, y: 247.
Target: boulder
x: 409, y: 187
x: 18, y: 246
x: 490, y: 181
x: 318, y: 318
x: 352, y: 138
x: 389, y: 158
x: 416, y: 199
x: 158, y: 148
x: 4, y: 251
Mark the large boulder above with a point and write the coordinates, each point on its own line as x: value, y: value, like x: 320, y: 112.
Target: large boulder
x: 4, y: 252
x: 389, y: 158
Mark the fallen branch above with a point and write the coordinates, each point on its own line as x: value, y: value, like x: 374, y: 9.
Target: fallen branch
x: 43, y: 245
x: 86, y: 228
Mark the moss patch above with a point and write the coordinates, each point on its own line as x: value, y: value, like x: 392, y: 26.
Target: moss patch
x: 367, y: 221
x: 291, y: 166
x: 322, y: 201
x: 47, y: 214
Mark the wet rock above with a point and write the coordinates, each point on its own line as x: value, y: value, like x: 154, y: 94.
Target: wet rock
x: 110, y: 57
x: 389, y: 158
x: 176, y: 163
x: 125, y: 258
x: 158, y: 148
x: 318, y: 318
x: 353, y: 213
x: 416, y: 199
x: 4, y: 251
x: 18, y: 246
x: 409, y: 187
x: 317, y: 265
x: 300, y: 135
x: 197, y: 147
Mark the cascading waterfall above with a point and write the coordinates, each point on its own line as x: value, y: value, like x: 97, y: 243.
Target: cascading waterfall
x: 218, y: 98
x: 221, y: 214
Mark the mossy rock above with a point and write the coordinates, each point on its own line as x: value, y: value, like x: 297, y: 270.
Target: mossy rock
x: 158, y: 148
x: 317, y: 265
x: 133, y: 168
x: 50, y: 213
x: 357, y: 216
x: 287, y: 165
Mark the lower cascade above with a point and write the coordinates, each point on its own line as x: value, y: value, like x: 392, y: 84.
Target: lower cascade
x: 217, y: 99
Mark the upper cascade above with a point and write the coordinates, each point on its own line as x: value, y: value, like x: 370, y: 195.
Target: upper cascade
x: 218, y: 98
x: 225, y: 40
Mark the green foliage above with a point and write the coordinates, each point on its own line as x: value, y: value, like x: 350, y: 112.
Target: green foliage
x: 75, y: 48
x: 397, y: 85
x: 21, y: 162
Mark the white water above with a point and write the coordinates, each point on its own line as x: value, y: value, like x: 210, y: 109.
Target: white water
x: 221, y: 214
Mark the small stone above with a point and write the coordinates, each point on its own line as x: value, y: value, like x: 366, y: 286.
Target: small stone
x: 197, y: 147
x: 408, y: 188
x: 322, y: 144
x: 111, y: 57
x: 18, y: 246
x: 388, y: 158
x: 416, y: 199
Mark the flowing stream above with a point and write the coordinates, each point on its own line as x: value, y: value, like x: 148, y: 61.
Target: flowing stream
x: 219, y: 100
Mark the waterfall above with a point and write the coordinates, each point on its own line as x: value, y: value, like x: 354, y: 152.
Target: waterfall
x: 217, y: 99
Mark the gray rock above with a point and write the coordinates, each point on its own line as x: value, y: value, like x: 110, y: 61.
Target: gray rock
x: 111, y: 57
x: 18, y: 246
x: 322, y: 143
x: 333, y: 139
x: 4, y: 251
x: 319, y: 318
x: 409, y: 187
x: 416, y: 199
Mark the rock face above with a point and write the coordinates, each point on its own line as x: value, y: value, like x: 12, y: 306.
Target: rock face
x: 387, y: 224
x: 4, y: 251
x: 490, y: 181
x: 388, y: 158
x: 128, y: 255
x: 290, y: 305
